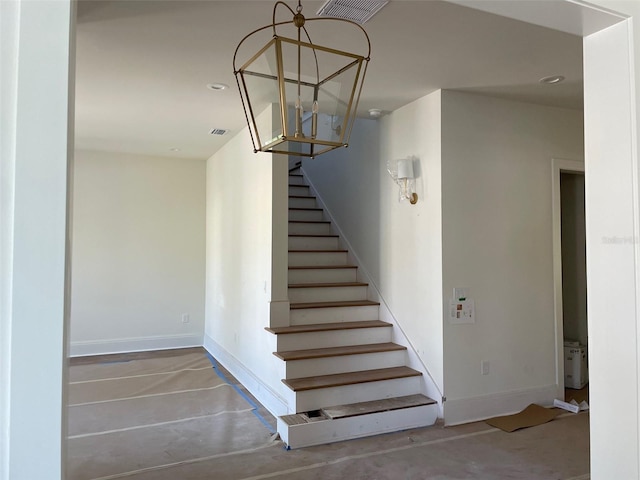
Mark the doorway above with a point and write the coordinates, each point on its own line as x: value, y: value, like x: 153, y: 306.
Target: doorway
x: 574, y: 286
x: 570, y: 279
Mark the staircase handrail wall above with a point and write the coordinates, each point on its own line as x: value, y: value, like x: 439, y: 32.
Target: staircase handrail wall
x: 431, y: 388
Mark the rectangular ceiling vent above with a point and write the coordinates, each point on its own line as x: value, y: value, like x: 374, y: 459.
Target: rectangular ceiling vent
x: 358, y: 11
x: 218, y: 131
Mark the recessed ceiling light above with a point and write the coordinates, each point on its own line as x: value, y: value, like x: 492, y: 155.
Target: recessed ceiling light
x: 174, y: 149
x: 552, y: 80
x: 217, y: 86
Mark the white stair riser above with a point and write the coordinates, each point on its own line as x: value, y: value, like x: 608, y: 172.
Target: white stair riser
x: 296, y: 180
x: 309, y: 400
x: 308, y: 202
x: 309, y: 228
x: 313, y: 243
x: 299, y: 190
x: 333, y: 338
x: 327, y: 294
x: 329, y: 431
x: 322, y: 275
x: 308, y: 316
x: 319, y: 259
x: 306, y: 215
x: 344, y: 364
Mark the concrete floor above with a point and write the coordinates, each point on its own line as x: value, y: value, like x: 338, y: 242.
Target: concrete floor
x: 557, y: 450
x: 230, y: 442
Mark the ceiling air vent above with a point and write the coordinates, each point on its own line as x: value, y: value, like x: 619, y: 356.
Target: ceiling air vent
x: 218, y: 131
x: 358, y: 11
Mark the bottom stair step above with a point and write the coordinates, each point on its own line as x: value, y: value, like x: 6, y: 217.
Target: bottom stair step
x: 373, y: 418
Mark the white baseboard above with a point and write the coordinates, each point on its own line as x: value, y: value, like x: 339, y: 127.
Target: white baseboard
x: 137, y: 344
x: 465, y: 410
x: 264, y: 394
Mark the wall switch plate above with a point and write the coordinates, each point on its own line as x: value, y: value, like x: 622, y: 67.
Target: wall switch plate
x: 185, y: 318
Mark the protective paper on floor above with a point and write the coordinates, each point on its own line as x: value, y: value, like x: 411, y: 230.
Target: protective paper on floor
x: 531, y: 416
x: 139, y: 414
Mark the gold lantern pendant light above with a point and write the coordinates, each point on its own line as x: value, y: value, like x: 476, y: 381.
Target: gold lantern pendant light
x: 299, y: 98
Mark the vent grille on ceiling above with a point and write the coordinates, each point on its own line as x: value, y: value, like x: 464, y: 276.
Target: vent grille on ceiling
x: 358, y: 11
x: 218, y: 131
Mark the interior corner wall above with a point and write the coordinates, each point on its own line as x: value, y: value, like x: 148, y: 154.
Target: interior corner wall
x: 138, y: 253
x: 398, y: 244
x: 239, y: 274
x: 497, y: 242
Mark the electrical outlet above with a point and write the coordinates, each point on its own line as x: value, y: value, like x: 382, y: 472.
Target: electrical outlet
x: 185, y: 318
x: 484, y: 367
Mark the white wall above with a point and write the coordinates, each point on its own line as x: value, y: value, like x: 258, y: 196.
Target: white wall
x: 483, y: 221
x: 497, y: 241
x: 399, y: 245
x: 612, y: 129
x: 246, y: 192
x: 138, y: 253
x: 36, y: 40
x: 9, y: 12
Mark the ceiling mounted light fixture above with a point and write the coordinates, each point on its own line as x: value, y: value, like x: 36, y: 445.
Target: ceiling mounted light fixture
x: 216, y: 87
x: 299, y: 98
x: 552, y: 80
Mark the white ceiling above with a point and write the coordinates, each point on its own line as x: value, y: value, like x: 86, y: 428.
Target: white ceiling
x: 143, y: 66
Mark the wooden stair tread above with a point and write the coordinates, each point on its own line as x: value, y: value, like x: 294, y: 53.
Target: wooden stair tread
x: 314, y: 353
x: 350, y: 303
x: 305, y: 209
x: 310, y: 221
x: 351, y: 378
x: 319, y: 267
x: 377, y: 406
x: 321, y: 235
x: 300, y: 196
x: 328, y: 285
x: 296, y: 174
x: 335, y: 250
x: 326, y: 327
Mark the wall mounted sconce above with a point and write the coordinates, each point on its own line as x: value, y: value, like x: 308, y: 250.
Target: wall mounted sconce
x: 402, y: 173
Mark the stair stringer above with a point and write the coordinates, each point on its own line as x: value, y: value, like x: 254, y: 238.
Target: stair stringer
x: 429, y: 386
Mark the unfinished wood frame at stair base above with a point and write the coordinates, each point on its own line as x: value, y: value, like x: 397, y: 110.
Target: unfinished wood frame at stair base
x: 337, y: 355
x: 328, y: 431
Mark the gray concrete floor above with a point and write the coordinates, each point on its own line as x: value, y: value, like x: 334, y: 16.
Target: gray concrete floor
x: 236, y: 445
x: 557, y: 450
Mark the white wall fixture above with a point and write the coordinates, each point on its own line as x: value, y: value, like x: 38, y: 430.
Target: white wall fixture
x: 403, y: 174
x: 462, y: 310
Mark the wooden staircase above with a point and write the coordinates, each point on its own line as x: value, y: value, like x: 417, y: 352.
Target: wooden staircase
x: 345, y: 376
